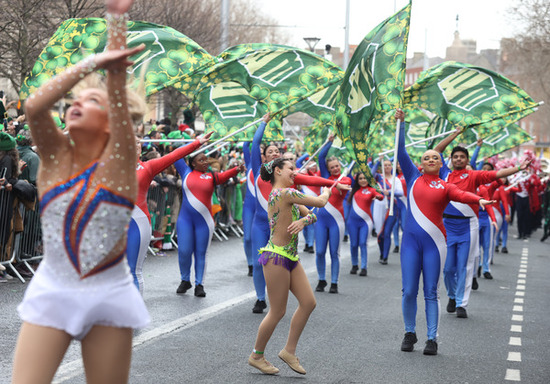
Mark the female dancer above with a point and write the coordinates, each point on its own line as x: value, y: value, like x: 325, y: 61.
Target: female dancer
x: 384, y: 236
x: 360, y: 221
x: 330, y: 225
x: 260, y: 223
x: 195, y: 224
x: 249, y: 207
x: 87, y: 185
x: 281, y: 264
x: 139, y: 232
x: 423, y: 244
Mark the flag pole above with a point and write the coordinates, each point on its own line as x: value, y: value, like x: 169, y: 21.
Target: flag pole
x: 225, y: 137
x: 394, y: 168
x: 312, y: 156
x: 418, y: 142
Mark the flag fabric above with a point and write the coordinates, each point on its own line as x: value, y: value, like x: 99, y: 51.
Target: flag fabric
x: 373, y: 84
x: 170, y: 58
x: 469, y: 96
x: 255, y: 79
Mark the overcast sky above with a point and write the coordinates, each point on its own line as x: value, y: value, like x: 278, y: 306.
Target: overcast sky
x: 486, y: 21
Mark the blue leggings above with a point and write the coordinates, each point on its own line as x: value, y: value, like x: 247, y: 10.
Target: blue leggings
x: 194, y: 236
x: 309, y: 234
x: 384, y: 237
x: 462, y: 250
x: 359, y: 231
x: 249, y: 207
x: 486, y: 231
x: 139, y: 236
x: 260, y: 237
x: 419, y: 253
x: 328, y: 230
x: 503, y: 231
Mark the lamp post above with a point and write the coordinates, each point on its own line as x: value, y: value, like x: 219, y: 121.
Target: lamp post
x: 311, y: 42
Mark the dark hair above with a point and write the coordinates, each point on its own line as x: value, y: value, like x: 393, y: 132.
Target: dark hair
x: 269, y: 145
x: 355, y: 187
x: 460, y: 148
x: 266, y: 175
x: 490, y: 165
x: 191, y: 159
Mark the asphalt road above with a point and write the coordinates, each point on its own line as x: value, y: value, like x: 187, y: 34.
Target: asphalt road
x: 352, y: 337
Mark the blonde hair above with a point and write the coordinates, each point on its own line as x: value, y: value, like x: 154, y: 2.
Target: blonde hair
x: 135, y: 96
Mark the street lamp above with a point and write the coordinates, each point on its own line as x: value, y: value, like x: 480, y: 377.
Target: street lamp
x: 311, y: 42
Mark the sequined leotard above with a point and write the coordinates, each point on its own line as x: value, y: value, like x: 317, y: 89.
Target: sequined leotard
x: 84, y: 279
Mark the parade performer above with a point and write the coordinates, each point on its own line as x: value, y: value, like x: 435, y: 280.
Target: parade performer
x: 423, y: 245
x: 360, y: 221
x: 461, y: 223
x: 330, y: 225
x: 281, y: 265
x: 139, y: 233
x: 384, y: 236
x: 195, y: 225
x: 83, y: 289
x: 260, y: 223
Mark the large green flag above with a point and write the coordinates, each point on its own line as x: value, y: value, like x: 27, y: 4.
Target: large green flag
x: 170, y: 58
x: 259, y: 78
x: 373, y: 83
x: 468, y: 96
x: 227, y: 107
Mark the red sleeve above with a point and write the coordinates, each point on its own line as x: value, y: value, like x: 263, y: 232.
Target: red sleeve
x: 484, y: 177
x: 376, y: 193
x: 223, y: 177
x: 316, y: 181
x: 158, y: 165
x: 456, y: 194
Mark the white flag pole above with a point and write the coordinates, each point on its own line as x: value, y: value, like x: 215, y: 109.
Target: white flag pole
x: 224, y: 138
x: 312, y: 156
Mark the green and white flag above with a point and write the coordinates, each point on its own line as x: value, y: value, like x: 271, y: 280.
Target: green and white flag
x: 373, y: 84
x: 252, y: 82
x: 170, y: 58
x: 469, y: 96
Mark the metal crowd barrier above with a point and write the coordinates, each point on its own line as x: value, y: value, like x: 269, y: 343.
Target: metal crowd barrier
x: 22, y: 247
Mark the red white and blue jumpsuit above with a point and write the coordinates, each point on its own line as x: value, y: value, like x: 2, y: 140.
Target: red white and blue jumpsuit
x: 423, y: 245
x: 139, y: 232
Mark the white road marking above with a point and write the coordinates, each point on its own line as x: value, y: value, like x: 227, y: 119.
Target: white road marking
x: 515, y: 341
x: 512, y: 374
x: 514, y: 356
x: 515, y: 328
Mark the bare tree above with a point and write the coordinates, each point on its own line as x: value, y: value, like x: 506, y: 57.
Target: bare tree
x: 27, y: 25
x: 526, y: 56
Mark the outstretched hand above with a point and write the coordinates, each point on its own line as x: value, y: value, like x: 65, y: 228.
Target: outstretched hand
x: 525, y: 164
x: 203, y: 139
x: 116, y: 59
x: 483, y: 203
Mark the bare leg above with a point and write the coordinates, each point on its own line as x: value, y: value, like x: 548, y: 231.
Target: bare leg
x: 277, y: 280
x: 107, y: 352
x: 44, y: 347
x: 301, y: 289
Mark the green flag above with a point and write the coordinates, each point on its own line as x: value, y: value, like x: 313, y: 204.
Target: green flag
x: 468, y: 96
x: 170, y: 58
x: 258, y: 78
x: 373, y: 83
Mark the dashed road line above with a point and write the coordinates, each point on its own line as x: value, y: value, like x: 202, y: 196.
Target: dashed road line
x: 513, y: 374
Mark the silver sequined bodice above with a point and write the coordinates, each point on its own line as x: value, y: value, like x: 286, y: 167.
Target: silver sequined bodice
x: 80, y: 231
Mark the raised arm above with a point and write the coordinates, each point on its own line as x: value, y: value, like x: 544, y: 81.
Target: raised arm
x: 505, y: 172
x: 410, y: 171
x: 323, y: 158
x: 301, y: 159
x: 293, y: 196
x: 475, y: 154
x: 246, y: 153
x: 160, y: 164
x: 256, y: 152
x: 440, y: 147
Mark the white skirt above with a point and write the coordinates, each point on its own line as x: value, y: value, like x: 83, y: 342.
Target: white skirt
x: 72, y: 305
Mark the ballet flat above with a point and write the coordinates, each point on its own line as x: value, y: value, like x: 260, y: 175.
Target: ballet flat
x: 263, y: 365
x: 292, y: 361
